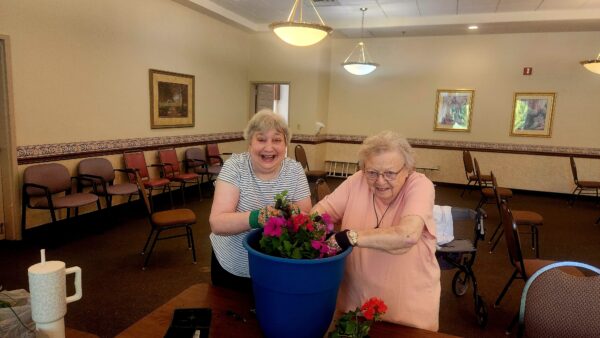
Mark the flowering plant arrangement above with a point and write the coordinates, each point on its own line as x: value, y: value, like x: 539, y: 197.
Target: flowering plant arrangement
x: 357, y: 323
x: 292, y: 234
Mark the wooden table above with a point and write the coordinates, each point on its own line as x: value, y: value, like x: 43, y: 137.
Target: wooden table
x: 223, y: 303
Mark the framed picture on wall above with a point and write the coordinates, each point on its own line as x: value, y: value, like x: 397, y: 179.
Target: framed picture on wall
x: 532, y: 114
x: 453, y: 109
x: 171, y: 99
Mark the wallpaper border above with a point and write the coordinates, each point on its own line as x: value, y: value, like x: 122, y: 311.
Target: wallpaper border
x: 62, y: 151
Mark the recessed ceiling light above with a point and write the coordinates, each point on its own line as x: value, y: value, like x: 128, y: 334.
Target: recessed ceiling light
x: 473, y: 27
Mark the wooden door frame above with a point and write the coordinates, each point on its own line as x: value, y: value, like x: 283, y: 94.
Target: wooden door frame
x: 8, y: 154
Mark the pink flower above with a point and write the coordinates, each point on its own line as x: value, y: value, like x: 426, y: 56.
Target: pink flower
x: 273, y: 226
x: 327, y: 220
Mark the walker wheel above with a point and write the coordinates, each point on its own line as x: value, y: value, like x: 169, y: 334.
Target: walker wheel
x: 481, y: 312
x: 460, y: 283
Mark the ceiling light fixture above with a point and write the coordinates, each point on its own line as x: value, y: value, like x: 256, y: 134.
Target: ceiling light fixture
x: 592, y: 65
x: 363, y: 64
x: 473, y: 27
x: 300, y: 33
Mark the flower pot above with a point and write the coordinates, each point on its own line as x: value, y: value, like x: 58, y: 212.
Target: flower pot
x: 294, y: 298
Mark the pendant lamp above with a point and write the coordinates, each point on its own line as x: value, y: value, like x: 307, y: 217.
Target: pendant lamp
x: 300, y: 33
x: 592, y: 65
x: 359, y: 61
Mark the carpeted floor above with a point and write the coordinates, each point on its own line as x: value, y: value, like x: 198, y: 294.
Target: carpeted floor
x: 116, y: 292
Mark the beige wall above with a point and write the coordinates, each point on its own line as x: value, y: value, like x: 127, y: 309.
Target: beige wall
x: 80, y: 68
x: 401, y: 94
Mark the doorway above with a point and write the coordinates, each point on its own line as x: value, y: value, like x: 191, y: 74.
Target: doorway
x: 271, y: 95
x: 9, y: 178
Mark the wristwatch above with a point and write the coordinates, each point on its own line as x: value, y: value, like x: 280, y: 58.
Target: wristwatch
x: 352, y: 237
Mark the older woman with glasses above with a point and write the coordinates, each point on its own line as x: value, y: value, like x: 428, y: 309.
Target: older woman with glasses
x: 386, y: 214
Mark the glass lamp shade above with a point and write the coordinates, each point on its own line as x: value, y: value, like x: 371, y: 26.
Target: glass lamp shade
x: 592, y: 65
x: 359, y: 68
x: 300, y: 33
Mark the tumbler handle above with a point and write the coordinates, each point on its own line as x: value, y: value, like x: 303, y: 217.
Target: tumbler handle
x: 78, y: 292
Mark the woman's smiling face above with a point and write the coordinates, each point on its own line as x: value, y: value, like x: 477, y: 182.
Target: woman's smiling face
x: 267, y: 151
x: 388, y: 163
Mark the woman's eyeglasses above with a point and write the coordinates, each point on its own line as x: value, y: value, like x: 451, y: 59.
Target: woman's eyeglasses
x: 373, y: 175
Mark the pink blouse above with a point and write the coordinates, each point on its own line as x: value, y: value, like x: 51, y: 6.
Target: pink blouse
x: 408, y: 283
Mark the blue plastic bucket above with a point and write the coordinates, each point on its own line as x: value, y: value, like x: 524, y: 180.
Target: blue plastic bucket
x: 295, y: 298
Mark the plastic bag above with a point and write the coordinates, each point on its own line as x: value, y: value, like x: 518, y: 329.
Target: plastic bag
x: 10, y: 326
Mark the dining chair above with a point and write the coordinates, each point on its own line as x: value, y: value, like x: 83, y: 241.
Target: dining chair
x: 471, y: 174
x: 557, y: 304
x: 589, y: 188
x: 101, y: 177
x: 49, y: 186
x: 523, y: 218
x: 322, y: 189
x: 487, y: 193
x: 166, y: 221
x: 136, y: 161
x: 311, y: 175
x: 173, y: 171
x: 524, y: 268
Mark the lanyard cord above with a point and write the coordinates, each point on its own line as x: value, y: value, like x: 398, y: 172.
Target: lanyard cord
x: 384, y: 212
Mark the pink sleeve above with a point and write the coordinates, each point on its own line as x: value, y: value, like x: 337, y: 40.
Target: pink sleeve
x: 419, y: 197
x: 335, y: 203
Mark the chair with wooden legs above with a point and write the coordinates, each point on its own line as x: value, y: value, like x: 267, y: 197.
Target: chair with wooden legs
x: 524, y: 268
x: 523, y: 218
x: 487, y: 193
x: 471, y: 174
x: 167, y: 221
x: 589, y: 188
x: 172, y: 170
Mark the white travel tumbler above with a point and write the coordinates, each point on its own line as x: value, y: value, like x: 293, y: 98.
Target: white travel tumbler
x: 47, y: 286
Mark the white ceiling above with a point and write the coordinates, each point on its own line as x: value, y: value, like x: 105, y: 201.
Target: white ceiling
x: 414, y: 17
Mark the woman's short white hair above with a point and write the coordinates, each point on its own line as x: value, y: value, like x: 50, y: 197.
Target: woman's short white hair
x: 383, y: 142
x: 264, y: 121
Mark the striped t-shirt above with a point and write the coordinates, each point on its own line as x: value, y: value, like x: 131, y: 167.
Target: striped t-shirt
x: 254, y: 194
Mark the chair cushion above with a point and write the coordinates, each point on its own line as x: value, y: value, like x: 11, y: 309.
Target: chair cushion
x: 214, y: 169
x: 122, y: 189
x: 67, y: 201
x: 173, y: 217
x: 185, y: 177
x: 158, y: 182
x: 523, y: 217
x: 589, y: 184
x: 504, y: 192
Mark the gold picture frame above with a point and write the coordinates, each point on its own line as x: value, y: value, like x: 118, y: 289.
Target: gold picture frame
x: 453, y: 109
x: 532, y: 114
x: 171, y: 99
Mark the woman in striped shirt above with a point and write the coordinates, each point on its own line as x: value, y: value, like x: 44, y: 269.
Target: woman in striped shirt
x: 245, y: 192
